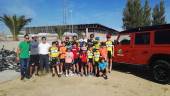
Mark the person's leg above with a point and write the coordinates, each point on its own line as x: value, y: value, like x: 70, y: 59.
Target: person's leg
x: 82, y: 69
x: 110, y: 65
x: 22, y: 68
x: 77, y: 68
x: 31, y: 69
x: 61, y: 68
x: 36, y: 65
x: 36, y: 70
x: 27, y: 67
x: 41, y: 63
x: 46, y: 61
x: 74, y: 68
x: 86, y: 70
x: 58, y: 71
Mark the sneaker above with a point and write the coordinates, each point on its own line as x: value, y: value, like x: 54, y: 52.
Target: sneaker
x: 67, y: 75
x: 53, y: 75
x: 59, y: 75
x: 22, y: 77
x: 105, y: 77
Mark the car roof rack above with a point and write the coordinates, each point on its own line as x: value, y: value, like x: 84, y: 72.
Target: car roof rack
x: 147, y: 28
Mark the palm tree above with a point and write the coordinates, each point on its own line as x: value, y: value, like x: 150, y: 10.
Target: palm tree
x: 15, y: 23
x: 60, y: 31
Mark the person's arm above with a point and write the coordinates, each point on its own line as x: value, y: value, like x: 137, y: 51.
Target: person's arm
x: 17, y: 52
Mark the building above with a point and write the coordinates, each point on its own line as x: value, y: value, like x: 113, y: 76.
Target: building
x: 97, y: 29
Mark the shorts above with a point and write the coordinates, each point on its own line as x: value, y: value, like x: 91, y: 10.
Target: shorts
x: 54, y: 61
x: 76, y: 61
x: 109, y: 54
x: 62, y: 61
x: 96, y: 63
x: 67, y: 66
x: 103, y: 71
x: 83, y: 64
x: 34, y: 60
x: 91, y: 60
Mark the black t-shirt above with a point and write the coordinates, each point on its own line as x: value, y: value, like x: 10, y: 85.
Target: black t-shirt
x: 90, y: 42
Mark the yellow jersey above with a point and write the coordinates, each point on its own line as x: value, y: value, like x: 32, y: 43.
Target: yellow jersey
x: 54, y: 52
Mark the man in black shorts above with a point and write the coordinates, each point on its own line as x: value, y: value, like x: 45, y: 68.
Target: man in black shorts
x: 34, y: 57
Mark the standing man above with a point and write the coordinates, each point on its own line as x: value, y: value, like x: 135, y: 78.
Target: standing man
x: 90, y: 41
x: 83, y: 40
x: 34, y: 57
x: 109, y: 45
x: 44, y: 57
x: 23, y: 56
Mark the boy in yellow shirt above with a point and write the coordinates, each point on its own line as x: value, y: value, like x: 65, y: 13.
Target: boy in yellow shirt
x: 54, y: 57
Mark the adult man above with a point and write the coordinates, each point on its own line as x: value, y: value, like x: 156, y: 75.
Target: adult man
x: 90, y: 41
x: 83, y: 40
x: 23, y: 56
x: 34, y: 57
x: 43, y: 52
x: 110, y: 51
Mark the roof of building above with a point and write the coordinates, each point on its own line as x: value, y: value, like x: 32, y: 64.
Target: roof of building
x: 88, y: 26
x: 147, y: 28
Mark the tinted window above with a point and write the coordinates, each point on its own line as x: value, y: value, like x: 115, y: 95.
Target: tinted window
x: 142, y: 38
x: 162, y: 37
x: 124, y: 39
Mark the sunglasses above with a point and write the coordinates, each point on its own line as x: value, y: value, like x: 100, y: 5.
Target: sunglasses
x: 27, y: 38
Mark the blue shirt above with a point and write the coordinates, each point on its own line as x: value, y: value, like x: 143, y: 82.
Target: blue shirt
x: 102, y: 65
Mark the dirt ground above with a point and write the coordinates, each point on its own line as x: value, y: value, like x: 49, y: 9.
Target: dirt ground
x: 118, y: 84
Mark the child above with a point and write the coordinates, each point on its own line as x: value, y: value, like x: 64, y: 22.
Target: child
x: 103, y: 50
x: 90, y: 60
x: 68, y: 61
x: 96, y: 60
x: 103, y: 68
x: 110, y: 51
x: 54, y: 56
x: 75, y: 51
x: 62, y: 56
x: 83, y: 58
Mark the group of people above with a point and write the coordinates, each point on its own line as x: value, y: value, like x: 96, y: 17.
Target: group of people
x: 81, y: 57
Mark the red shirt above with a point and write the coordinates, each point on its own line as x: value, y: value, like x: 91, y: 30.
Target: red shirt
x: 75, y: 52
x: 83, y: 57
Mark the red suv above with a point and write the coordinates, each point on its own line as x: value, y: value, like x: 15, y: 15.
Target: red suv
x: 146, y: 46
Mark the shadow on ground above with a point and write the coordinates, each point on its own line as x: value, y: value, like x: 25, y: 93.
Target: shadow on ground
x: 137, y: 70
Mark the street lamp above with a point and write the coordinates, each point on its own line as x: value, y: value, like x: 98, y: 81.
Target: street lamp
x: 71, y: 11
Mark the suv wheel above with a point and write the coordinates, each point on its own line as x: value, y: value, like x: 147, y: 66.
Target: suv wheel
x: 161, y: 71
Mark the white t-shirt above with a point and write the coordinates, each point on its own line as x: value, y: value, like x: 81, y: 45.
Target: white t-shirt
x: 43, y: 48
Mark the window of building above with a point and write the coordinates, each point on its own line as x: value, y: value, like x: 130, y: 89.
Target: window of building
x: 142, y: 38
x: 162, y: 37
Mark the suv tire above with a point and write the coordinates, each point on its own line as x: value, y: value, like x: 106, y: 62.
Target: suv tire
x: 161, y: 71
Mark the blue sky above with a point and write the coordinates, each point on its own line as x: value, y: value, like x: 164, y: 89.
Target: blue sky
x: 50, y: 12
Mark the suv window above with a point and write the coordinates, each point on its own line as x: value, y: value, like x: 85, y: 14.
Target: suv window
x: 162, y: 37
x: 124, y: 39
x: 142, y: 38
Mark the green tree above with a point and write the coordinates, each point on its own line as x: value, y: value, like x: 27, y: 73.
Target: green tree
x: 132, y: 15
x: 15, y: 23
x: 127, y: 15
x: 60, y: 32
x: 146, y: 14
x: 158, y: 14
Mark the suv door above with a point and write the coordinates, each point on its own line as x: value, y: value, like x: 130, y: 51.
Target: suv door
x: 123, y: 48
x: 141, y: 48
